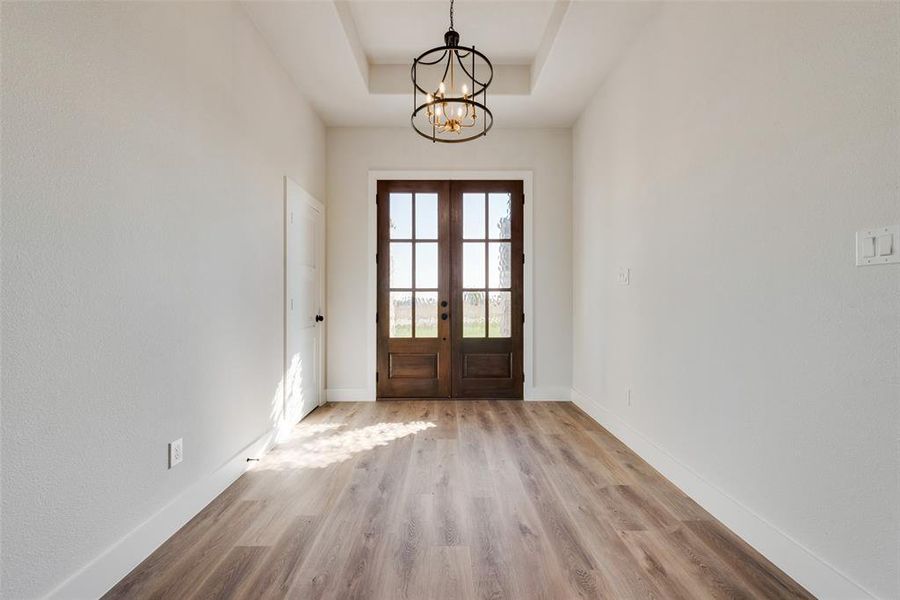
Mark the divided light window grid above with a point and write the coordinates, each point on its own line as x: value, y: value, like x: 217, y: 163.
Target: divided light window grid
x: 413, y: 265
x: 487, y: 265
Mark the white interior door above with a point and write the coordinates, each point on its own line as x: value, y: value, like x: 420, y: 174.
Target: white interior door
x: 304, y: 324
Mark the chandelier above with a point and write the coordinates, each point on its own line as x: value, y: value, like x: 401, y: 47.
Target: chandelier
x: 450, y: 91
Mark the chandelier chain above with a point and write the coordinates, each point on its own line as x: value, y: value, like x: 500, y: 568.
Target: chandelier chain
x: 451, y: 14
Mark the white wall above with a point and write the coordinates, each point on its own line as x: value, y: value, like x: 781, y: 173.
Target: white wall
x: 142, y: 263
x: 728, y: 161
x: 353, y: 152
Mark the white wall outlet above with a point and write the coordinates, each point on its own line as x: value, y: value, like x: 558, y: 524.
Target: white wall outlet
x: 176, y: 452
x: 624, y: 276
x: 628, y: 396
x: 878, y: 246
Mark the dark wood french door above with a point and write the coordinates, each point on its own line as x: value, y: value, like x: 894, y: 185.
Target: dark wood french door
x: 450, y: 307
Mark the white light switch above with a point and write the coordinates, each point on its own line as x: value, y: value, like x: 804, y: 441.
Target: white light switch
x: 878, y: 246
x: 885, y: 244
x: 868, y: 247
x: 624, y: 276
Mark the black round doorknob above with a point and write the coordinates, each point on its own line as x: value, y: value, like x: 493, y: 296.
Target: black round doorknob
x: 443, y: 304
x: 443, y: 316
x: 319, y: 318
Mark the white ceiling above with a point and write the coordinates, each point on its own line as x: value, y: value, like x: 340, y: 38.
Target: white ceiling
x: 351, y: 58
x: 509, y: 33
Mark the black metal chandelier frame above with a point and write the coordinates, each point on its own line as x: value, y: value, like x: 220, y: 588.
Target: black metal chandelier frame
x: 436, y: 101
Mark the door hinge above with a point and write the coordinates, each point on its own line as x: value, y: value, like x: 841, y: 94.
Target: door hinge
x: 376, y: 376
x: 376, y: 316
x: 523, y: 377
x: 523, y: 317
x: 376, y: 258
x: 523, y: 259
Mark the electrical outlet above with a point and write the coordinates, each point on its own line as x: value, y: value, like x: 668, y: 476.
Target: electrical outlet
x: 628, y: 396
x: 176, y: 452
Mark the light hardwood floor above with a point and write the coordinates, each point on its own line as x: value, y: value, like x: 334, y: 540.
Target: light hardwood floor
x: 454, y: 500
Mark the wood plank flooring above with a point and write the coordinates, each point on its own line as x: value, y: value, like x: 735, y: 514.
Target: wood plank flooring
x: 454, y: 500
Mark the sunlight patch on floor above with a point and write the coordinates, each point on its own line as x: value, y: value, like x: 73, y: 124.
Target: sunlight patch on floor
x: 325, y: 451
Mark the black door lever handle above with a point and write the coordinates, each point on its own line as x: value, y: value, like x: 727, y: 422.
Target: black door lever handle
x: 319, y: 318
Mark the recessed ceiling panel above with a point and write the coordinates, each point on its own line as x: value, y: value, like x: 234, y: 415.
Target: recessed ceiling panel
x: 351, y: 59
x: 393, y: 32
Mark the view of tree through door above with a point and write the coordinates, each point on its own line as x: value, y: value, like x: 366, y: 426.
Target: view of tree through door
x: 450, y: 306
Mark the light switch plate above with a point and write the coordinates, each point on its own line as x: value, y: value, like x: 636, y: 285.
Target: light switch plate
x: 871, y: 245
x: 624, y: 276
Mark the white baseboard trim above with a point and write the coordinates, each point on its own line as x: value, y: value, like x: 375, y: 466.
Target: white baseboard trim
x: 812, y: 572
x: 100, y: 574
x: 348, y: 395
x: 548, y: 393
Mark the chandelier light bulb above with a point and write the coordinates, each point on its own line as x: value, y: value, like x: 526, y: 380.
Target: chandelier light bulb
x: 465, y: 90
x: 441, y: 88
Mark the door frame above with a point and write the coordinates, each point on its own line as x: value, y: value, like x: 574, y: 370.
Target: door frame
x: 526, y: 178
x: 284, y: 426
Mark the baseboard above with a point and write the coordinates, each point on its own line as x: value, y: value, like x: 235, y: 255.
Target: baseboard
x: 100, y: 574
x: 548, y: 393
x: 348, y: 395
x: 812, y: 572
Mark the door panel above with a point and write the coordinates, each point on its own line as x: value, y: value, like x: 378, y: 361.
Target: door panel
x: 486, y: 288
x: 304, y: 241
x: 413, y: 283
x: 450, y: 289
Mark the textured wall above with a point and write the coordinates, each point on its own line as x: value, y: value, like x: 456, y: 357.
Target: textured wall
x: 728, y: 161
x: 142, y: 262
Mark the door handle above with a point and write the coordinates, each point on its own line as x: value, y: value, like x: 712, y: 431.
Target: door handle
x: 443, y: 316
x: 444, y: 304
x: 319, y: 318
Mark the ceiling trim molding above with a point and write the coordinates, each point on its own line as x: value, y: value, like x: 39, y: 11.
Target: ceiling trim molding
x: 560, y: 8
x: 509, y: 80
x: 345, y: 14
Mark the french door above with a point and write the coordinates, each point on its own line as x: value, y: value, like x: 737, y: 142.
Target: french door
x: 450, y: 308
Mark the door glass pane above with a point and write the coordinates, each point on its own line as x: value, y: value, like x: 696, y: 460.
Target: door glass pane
x: 473, y: 314
x: 499, y: 217
x: 401, y: 265
x: 427, y: 265
x: 400, y: 322
x: 473, y: 264
x: 499, y: 265
x: 426, y: 314
x: 499, y: 314
x: 401, y: 216
x: 426, y: 216
x: 473, y: 216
